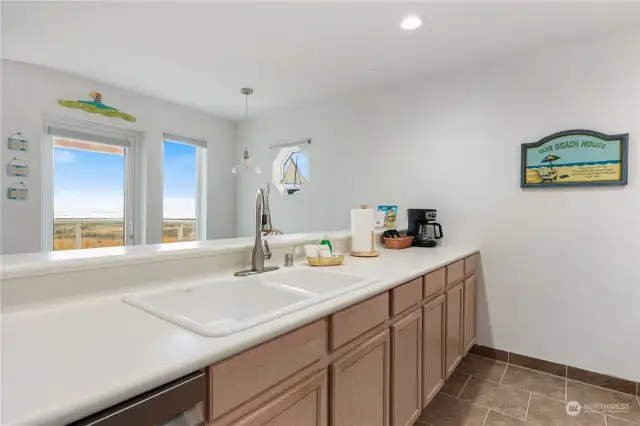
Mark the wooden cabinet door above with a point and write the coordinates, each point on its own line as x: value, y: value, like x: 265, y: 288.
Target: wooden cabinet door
x: 360, y: 384
x: 469, y: 313
x: 406, y: 369
x: 433, y: 349
x: 454, y: 319
x: 302, y: 405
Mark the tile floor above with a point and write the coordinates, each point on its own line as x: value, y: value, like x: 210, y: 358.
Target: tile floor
x: 484, y: 392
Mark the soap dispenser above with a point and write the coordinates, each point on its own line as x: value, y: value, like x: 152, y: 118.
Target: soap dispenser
x: 325, y: 242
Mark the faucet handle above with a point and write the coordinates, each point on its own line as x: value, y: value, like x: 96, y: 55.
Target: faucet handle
x: 267, y: 252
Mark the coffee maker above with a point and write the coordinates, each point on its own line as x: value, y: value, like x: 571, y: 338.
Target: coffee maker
x: 423, y: 227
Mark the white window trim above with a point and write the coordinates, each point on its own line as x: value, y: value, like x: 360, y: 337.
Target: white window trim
x: 201, y: 178
x: 47, y: 210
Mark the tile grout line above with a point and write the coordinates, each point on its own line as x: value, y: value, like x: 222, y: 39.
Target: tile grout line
x: 538, y: 371
x: 632, y: 422
x: 486, y: 417
x: 532, y: 369
x: 504, y: 414
x: 490, y: 408
x: 523, y: 390
x: 566, y: 373
x: 512, y: 387
x: 601, y: 388
x: 613, y: 416
x: 465, y: 385
x: 504, y: 373
x: 566, y: 379
x: 475, y: 404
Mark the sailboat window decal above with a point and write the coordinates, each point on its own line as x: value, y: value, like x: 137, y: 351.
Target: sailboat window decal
x: 295, y: 172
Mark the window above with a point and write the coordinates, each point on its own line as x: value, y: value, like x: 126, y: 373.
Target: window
x: 291, y: 170
x: 184, y: 194
x: 90, y: 201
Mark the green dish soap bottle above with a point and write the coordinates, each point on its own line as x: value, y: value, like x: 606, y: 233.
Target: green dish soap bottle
x: 325, y: 242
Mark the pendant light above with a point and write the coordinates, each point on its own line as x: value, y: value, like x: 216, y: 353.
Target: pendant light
x: 245, y: 164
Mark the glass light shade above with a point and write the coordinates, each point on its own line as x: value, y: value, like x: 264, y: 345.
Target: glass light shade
x: 245, y: 165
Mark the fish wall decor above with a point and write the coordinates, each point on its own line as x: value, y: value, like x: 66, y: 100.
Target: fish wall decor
x: 97, y: 107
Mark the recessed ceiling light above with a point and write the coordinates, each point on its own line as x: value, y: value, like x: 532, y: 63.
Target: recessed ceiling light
x: 411, y: 22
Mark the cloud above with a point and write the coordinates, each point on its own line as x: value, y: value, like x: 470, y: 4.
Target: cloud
x: 86, y: 204
x: 179, y: 208
x: 64, y: 156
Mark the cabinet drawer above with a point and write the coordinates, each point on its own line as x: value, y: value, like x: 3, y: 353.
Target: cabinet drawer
x: 455, y: 272
x: 238, y: 379
x: 434, y: 282
x: 470, y: 265
x: 406, y: 295
x: 356, y: 320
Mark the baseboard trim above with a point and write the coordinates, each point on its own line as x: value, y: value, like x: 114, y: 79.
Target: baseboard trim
x: 561, y: 370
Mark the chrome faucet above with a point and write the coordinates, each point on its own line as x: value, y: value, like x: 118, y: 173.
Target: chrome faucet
x: 263, y: 222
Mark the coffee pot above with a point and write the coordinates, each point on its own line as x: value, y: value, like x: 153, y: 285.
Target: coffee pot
x: 422, y: 226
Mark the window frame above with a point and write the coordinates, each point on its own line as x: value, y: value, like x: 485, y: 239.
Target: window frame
x: 201, y: 180
x: 47, y: 195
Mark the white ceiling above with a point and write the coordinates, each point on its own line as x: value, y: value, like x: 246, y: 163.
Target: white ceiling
x: 200, y: 54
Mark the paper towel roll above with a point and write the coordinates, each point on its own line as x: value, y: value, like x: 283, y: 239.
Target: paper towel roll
x: 362, y: 221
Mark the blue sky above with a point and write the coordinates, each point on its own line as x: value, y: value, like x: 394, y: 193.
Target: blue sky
x: 87, y: 184
x: 90, y: 184
x: 179, y: 181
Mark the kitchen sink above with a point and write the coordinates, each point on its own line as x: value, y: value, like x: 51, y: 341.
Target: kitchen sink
x: 221, y: 308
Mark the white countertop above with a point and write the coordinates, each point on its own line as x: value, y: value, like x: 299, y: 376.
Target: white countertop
x: 63, y: 362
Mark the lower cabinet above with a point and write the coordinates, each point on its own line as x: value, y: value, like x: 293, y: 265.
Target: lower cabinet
x: 433, y: 349
x: 406, y: 369
x: 305, y: 404
x: 383, y: 380
x: 469, y: 313
x: 360, y: 384
x: 454, y: 320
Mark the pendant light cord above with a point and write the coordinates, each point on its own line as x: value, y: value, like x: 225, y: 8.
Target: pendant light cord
x: 246, y: 107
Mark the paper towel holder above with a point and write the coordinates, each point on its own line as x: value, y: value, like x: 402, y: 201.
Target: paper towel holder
x: 373, y: 253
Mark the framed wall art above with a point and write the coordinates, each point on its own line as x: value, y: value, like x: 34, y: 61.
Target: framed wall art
x: 575, y: 158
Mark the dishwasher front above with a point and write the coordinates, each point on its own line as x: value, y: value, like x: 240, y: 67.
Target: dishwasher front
x: 178, y: 403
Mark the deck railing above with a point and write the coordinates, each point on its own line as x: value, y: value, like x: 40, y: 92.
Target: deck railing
x: 82, y: 233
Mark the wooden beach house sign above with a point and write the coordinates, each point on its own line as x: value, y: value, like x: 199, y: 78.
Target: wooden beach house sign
x: 575, y: 158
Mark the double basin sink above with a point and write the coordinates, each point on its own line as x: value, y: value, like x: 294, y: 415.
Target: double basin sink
x: 221, y: 308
